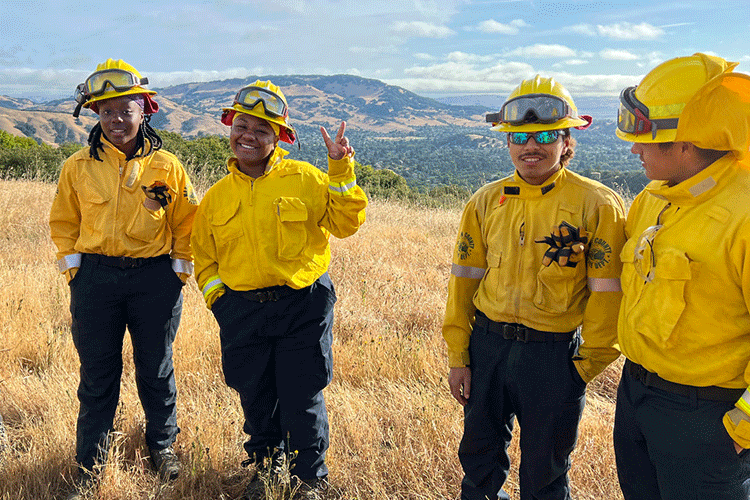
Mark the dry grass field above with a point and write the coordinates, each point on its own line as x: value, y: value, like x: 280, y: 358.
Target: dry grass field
x: 394, y: 426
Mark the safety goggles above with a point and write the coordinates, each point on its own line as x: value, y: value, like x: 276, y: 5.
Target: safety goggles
x: 544, y: 108
x: 273, y: 104
x: 632, y: 116
x: 544, y: 137
x: 96, y: 84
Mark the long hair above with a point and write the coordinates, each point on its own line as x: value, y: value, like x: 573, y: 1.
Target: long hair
x: 145, y: 131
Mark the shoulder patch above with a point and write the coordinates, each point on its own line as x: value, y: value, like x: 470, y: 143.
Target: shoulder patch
x: 464, y: 245
x: 600, y: 254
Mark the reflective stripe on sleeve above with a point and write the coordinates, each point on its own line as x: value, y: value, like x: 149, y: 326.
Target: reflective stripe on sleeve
x: 604, y: 285
x: 214, y: 282
x: 182, y: 266
x: 475, y: 273
x: 342, y: 188
x: 744, y: 402
x: 69, y: 262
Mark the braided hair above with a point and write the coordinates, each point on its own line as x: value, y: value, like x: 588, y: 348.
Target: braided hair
x: 145, y: 131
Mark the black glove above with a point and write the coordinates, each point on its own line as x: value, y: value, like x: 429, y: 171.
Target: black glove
x: 160, y: 192
x: 567, y: 245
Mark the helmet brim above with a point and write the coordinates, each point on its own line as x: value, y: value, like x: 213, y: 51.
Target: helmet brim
x: 665, y: 135
x: 541, y: 127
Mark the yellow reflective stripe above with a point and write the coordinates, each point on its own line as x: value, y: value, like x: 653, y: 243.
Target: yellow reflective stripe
x: 182, y: 266
x: 744, y: 402
x: 656, y: 112
x: 342, y: 188
x: 604, y: 284
x: 69, y: 262
x: 214, y: 282
x: 475, y: 273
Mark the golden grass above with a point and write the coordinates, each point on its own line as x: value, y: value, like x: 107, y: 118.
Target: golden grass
x: 394, y: 426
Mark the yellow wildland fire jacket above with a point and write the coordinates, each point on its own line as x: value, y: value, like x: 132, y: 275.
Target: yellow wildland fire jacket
x: 273, y: 230
x: 99, y: 208
x: 686, y: 283
x: 497, y: 265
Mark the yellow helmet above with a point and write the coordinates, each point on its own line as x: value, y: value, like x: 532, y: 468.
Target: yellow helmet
x: 113, y: 78
x: 264, y: 100
x: 650, y: 112
x: 537, y: 105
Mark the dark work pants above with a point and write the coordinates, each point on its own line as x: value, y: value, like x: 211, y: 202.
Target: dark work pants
x: 277, y: 355
x: 671, y: 447
x: 104, y: 301
x: 537, y: 383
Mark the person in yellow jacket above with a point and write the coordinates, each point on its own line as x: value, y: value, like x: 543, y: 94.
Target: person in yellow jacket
x: 682, y: 424
x: 261, y: 259
x: 121, y: 221
x: 535, y: 262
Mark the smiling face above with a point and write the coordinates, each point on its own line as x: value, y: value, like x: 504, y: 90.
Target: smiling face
x: 252, y: 141
x: 534, y: 162
x: 120, y: 118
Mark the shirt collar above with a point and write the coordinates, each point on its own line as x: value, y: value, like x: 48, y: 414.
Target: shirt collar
x: 278, y: 154
x: 522, y: 189
x: 699, y: 187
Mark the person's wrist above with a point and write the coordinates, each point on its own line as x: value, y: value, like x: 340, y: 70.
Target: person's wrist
x: 152, y: 205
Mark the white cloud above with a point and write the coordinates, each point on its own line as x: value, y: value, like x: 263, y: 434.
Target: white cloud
x: 422, y: 29
x: 582, y: 29
x: 543, y: 51
x: 630, y: 31
x: 575, y: 62
x: 492, y: 26
x: 618, y: 55
x: 469, y: 58
x: 423, y: 56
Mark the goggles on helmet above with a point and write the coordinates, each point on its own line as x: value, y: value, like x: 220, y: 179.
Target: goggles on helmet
x: 632, y: 116
x: 545, y: 108
x: 273, y: 104
x: 545, y: 137
x: 96, y: 84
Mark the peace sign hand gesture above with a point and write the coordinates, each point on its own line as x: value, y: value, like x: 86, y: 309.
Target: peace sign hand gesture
x: 339, y: 147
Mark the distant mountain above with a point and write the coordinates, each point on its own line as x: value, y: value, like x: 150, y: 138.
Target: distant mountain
x: 194, y: 109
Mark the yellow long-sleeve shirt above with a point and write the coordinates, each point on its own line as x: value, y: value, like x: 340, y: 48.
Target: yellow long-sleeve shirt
x: 690, y: 321
x: 270, y: 231
x: 99, y: 208
x: 497, y: 265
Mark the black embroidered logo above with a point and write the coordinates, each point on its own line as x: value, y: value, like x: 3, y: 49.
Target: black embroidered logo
x: 600, y: 254
x: 465, y: 246
x: 190, y: 195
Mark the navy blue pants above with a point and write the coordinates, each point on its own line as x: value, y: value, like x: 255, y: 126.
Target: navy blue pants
x: 277, y: 355
x: 104, y: 301
x: 671, y: 447
x: 537, y: 383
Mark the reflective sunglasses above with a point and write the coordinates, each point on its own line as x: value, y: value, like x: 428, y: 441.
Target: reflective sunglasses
x: 632, y: 116
x: 96, y: 84
x: 531, y: 108
x: 545, y: 137
x: 644, y: 260
x: 273, y: 104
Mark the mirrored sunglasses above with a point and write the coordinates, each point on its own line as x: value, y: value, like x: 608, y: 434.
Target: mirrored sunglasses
x: 544, y: 137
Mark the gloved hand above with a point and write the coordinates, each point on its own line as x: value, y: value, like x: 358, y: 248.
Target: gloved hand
x: 158, y: 191
x: 567, y: 245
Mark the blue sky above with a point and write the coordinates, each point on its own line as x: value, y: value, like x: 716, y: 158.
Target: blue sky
x: 433, y: 48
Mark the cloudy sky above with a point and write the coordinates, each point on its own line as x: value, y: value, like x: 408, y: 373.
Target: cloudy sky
x: 433, y: 48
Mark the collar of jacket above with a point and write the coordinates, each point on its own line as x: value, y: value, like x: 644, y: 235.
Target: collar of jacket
x: 519, y: 188
x: 133, y: 168
x: 699, y: 187
x: 278, y: 154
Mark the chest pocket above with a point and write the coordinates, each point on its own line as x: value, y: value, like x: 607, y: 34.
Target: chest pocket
x: 226, y: 226
x: 93, y: 200
x: 654, y: 308
x: 557, y: 287
x: 291, y: 216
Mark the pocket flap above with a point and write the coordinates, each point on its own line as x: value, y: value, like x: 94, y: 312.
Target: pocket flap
x: 494, y: 258
x: 224, y: 214
x: 291, y: 209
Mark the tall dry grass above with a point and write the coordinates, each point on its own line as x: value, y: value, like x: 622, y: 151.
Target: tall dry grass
x: 394, y: 426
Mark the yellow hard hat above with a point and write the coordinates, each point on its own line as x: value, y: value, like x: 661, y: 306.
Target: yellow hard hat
x: 113, y: 78
x: 264, y: 100
x: 650, y: 112
x: 538, y: 104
